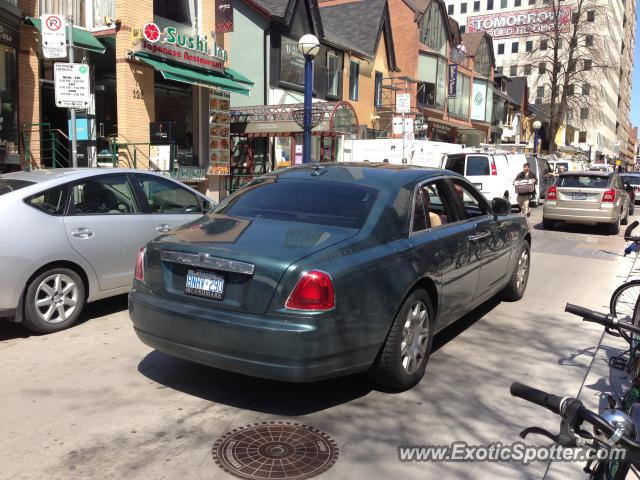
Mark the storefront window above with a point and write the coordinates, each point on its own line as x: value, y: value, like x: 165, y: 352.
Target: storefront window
x: 9, y: 157
x: 179, y: 11
x: 433, y: 32
x: 432, y: 73
x: 479, y: 100
x: 459, y: 106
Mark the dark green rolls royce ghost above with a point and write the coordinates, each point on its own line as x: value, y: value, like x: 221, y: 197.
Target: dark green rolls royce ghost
x: 323, y: 270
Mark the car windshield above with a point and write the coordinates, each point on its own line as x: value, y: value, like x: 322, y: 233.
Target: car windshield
x: 310, y: 201
x: 631, y: 179
x: 9, y: 185
x: 583, y: 181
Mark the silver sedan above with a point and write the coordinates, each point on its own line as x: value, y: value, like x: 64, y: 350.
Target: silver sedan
x: 72, y: 236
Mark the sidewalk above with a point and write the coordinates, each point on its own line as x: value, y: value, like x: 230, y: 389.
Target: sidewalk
x: 599, y: 382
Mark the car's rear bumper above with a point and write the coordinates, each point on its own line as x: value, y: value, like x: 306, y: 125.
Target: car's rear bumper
x: 579, y: 215
x: 260, y: 346
x: 7, y: 312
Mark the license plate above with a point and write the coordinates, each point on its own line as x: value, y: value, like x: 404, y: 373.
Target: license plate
x: 478, y: 186
x: 578, y: 196
x: 204, y: 284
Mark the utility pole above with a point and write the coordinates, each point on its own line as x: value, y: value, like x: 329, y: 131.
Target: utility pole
x: 74, y: 136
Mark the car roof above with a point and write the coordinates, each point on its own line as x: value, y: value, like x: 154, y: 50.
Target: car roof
x: 47, y: 174
x: 372, y: 174
x: 588, y: 173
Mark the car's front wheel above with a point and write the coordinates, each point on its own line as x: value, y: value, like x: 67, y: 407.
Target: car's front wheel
x: 403, y: 357
x: 53, y: 300
x: 520, y: 276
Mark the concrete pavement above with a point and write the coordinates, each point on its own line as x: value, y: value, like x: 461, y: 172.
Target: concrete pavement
x: 94, y: 402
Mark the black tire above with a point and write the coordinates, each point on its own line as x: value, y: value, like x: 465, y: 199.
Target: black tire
x: 624, y: 299
x: 614, y: 228
x: 520, y: 276
x: 547, y: 224
x: 625, y: 220
x: 388, y: 369
x: 632, y: 208
x: 67, y: 293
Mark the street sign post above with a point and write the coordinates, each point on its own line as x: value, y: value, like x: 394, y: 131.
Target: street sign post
x: 54, y: 36
x: 72, y: 89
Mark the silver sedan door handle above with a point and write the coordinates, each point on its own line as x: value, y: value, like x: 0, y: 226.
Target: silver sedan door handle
x: 478, y: 236
x: 82, y: 232
x: 163, y: 228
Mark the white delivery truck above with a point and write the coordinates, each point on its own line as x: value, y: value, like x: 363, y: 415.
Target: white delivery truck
x: 417, y: 152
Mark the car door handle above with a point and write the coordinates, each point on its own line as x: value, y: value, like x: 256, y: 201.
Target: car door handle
x: 478, y: 236
x: 163, y: 228
x: 82, y: 233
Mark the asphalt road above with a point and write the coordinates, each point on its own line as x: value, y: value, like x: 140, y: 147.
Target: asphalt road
x: 93, y: 402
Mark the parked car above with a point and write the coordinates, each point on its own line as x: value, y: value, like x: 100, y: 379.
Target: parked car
x: 632, y: 180
x: 74, y: 237
x: 569, y: 166
x: 318, y: 271
x: 587, y: 197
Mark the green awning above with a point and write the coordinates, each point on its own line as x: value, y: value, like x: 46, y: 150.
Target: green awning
x: 81, y: 38
x: 237, y: 76
x: 194, y: 76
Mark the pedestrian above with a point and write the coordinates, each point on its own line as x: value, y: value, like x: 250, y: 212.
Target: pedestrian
x: 525, y: 190
x: 562, y: 169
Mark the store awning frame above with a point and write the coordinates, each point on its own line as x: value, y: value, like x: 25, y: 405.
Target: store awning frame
x: 237, y: 76
x: 193, y: 76
x: 81, y: 38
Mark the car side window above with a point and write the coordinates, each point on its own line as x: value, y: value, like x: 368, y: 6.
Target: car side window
x: 51, y: 201
x: 168, y: 197
x: 471, y: 201
x: 105, y: 195
x: 455, y: 163
x: 419, y: 218
x: 438, y: 211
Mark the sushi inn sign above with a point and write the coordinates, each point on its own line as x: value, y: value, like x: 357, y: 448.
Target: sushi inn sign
x: 195, y: 50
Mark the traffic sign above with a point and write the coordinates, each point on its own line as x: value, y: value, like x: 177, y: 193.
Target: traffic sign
x: 409, y: 137
x: 403, y: 102
x: 54, y: 36
x: 72, y: 86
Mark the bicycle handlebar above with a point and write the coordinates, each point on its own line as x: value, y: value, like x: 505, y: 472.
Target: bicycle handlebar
x: 533, y: 395
x: 597, y: 317
x: 627, y: 232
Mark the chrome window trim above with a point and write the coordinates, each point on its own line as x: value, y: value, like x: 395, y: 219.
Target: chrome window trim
x: 208, y: 261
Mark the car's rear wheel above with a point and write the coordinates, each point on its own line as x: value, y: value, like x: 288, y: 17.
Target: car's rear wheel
x: 520, y: 276
x: 403, y: 357
x: 614, y: 228
x: 53, y: 300
x: 625, y: 220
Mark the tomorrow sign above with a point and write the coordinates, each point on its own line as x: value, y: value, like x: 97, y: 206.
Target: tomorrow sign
x: 521, y: 23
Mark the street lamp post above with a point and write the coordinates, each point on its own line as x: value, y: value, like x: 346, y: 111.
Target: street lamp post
x: 309, y: 46
x: 536, y: 129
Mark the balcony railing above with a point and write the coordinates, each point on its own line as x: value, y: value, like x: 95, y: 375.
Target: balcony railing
x: 87, y: 14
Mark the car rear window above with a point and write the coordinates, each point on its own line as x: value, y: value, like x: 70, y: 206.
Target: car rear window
x: 631, y: 179
x: 583, y: 181
x: 477, y: 165
x: 11, y: 185
x: 309, y: 201
x: 455, y: 163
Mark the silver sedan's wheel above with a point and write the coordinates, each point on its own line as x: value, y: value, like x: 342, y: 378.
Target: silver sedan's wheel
x: 53, y: 300
x: 415, y: 337
x: 56, y: 298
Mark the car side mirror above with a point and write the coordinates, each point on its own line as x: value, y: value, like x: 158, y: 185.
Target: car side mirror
x: 206, y: 206
x: 500, y: 206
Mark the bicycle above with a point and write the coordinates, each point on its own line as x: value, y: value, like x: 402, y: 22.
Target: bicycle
x: 624, y: 298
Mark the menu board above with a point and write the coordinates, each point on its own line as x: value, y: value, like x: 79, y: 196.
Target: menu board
x: 219, y: 141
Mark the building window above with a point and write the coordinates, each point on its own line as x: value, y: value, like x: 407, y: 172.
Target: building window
x: 175, y: 10
x: 517, y: 3
x: 378, y: 90
x: 527, y: 69
x: 538, y: 101
x: 333, y: 74
x: 500, y: 48
x: 588, y: 40
x: 450, y: 9
x: 544, y: 44
x: 9, y: 127
x: 463, y: 28
x: 582, y: 137
x: 503, y: 3
x: 463, y: 8
x: 476, y: 6
x: 291, y: 62
x: 540, y: 92
x: 433, y: 32
x: 532, y: 2
x: 459, y: 106
x: 574, y: 17
x: 587, y: 65
x: 514, y: 47
x: 591, y: 16
x: 584, y: 113
x: 482, y: 63
x: 586, y: 89
x: 513, y: 70
x: 529, y: 46
x: 542, y: 68
x: 571, y: 90
x: 354, y: 72
x: 559, y: 43
x: 432, y: 79
x: 489, y: 4
x: 499, y: 70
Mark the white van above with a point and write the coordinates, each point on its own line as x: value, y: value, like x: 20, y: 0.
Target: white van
x: 490, y: 173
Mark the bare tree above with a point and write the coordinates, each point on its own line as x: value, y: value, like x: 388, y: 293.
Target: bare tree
x: 573, y: 57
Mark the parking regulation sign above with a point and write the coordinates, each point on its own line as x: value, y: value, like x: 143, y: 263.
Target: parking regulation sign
x: 54, y: 36
x: 72, y: 85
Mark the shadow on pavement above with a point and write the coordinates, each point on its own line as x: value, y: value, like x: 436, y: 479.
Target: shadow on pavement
x: 273, y: 397
x: 577, y: 228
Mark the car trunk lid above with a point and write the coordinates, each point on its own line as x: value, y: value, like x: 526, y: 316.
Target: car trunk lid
x: 581, y: 191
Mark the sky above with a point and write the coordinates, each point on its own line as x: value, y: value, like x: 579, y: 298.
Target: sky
x: 635, y: 92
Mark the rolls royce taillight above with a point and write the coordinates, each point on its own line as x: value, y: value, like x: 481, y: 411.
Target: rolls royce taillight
x: 314, y: 291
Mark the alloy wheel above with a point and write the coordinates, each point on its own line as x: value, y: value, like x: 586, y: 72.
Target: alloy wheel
x: 56, y: 298
x: 523, y: 269
x: 415, y: 337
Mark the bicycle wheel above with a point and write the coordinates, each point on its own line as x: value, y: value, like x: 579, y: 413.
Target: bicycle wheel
x: 623, y: 300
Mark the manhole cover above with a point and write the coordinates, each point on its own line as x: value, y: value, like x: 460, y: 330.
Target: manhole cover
x: 281, y: 450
